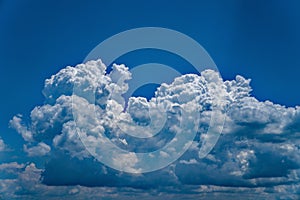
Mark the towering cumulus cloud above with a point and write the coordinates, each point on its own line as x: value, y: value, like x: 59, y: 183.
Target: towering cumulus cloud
x: 257, y: 152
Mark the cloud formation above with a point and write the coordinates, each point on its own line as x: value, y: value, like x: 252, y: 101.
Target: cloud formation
x: 40, y: 149
x: 2, y: 145
x: 259, y: 147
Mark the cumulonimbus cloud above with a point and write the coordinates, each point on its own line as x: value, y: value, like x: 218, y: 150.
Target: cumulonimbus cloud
x: 259, y: 146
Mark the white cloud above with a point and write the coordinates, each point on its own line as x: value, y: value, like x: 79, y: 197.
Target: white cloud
x: 69, y: 141
x: 189, y: 162
x: 11, y: 168
x: 126, y: 161
x: 20, y: 128
x: 10, y: 165
x: 40, y: 149
x: 259, y: 146
x: 2, y: 145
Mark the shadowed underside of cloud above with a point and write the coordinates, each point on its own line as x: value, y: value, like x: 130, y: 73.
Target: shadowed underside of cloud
x: 258, y: 151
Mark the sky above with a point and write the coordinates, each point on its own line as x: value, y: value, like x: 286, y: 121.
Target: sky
x: 258, y: 40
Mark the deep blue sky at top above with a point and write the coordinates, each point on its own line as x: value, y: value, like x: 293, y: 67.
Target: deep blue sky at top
x: 257, y: 39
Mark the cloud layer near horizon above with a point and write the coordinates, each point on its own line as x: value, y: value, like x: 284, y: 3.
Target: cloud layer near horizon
x: 259, y: 147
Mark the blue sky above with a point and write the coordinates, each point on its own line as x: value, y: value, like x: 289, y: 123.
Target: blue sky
x: 256, y: 39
